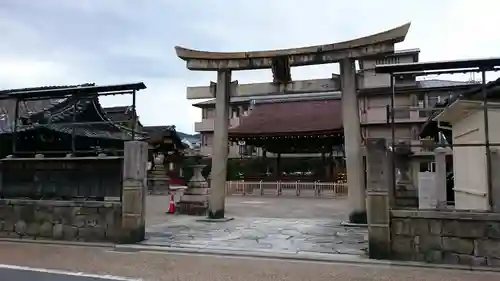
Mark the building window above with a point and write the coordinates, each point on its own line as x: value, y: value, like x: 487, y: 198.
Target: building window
x: 427, y: 166
x: 207, y: 139
x: 390, y: 60
x: 424, y: 113
x: 401, y: 113
x: 433, y: 100
x: 415, y: 133
x: 235, y: 112
x: 421, y: 100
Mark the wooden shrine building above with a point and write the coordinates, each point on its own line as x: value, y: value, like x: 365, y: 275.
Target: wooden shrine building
x: 292, y: 126
x: 62, y: 120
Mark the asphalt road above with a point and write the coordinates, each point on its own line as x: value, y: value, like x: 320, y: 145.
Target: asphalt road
x: 14, y: 274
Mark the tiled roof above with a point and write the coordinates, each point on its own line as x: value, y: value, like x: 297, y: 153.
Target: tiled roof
x: 62, y: 113
x: 156, y: 132
x: 7, y: 107
x: 119, y: 114
x: 291, y: 118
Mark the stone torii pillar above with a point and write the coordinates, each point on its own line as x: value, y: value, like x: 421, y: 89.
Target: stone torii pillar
x: 352, y: 142
x: 220, y: 146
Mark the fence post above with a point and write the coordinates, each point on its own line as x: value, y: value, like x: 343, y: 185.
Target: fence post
x: 261, y: 188
x: 297, y: 188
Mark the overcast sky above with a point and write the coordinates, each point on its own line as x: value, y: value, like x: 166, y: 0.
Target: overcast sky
x: 58, y: 42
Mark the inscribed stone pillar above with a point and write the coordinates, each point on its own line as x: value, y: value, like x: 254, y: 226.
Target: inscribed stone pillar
x: 352, y: 143
x: 379, y: 185
x: 134, y: 191
x: 220, y: 146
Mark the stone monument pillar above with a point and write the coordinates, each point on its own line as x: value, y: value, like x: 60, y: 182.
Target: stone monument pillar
x: 378, y: 200
x: 352, y: 143
x: 194, y: 201
x: 134, y: 191
x: 405, y: 192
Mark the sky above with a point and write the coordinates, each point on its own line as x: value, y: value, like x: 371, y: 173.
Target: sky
x: 61, y: 42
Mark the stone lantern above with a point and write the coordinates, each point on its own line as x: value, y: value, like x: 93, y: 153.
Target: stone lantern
x: 402, y: 159
x: 194, y: 201
x: 158, y: 179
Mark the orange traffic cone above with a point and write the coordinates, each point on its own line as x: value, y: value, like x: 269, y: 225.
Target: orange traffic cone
x: 171, y: 208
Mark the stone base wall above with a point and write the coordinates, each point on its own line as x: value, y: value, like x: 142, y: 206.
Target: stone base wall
x: 90, y: 221
x: 452, y: 237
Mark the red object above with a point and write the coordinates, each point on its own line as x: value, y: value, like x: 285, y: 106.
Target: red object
x: 171, y: 208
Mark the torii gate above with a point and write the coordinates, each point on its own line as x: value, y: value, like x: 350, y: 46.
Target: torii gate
x: 280, y: 61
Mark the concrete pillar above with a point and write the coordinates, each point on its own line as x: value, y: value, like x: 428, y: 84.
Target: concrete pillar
x: 134, y: 191
x: 378, y: 199
x: 220, y: 146
x: 352, y: 142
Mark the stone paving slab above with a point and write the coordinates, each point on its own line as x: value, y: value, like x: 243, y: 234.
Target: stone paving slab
x: 278, y: 235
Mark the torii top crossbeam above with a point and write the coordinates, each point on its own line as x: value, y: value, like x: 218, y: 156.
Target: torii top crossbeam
x: 375, y: 44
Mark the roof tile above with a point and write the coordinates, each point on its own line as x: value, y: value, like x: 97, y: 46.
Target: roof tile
x: 291, y: 118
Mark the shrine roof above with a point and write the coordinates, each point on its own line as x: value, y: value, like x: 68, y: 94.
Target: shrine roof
x: 91, y: 120
x: 157, y: 133
x: 7, y: 107
x: 61, y: 92
x: 54, y: 111
x: 120, y: 114
x: 291, y: 117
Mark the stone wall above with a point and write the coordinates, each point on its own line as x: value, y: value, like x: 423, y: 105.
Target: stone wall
x: 61, y: 220
x: 453, y: 237
x: 94, y: 178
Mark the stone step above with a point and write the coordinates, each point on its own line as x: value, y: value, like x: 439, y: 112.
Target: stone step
x: 194, y: 198
x: 196, y: 191
x: 158, y: 179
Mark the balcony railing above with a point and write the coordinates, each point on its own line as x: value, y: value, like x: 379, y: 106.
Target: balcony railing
x: 379, y: 115
x: 208, y: 125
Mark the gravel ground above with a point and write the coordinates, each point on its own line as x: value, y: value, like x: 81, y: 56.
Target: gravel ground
x: 162, y: 266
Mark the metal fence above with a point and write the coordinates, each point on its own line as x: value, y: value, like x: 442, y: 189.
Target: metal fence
x: 286, y: 189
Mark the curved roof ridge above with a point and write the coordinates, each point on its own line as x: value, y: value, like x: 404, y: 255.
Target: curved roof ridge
x: 44, y: 88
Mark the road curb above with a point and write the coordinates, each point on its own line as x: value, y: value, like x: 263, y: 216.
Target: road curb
x: 304, y: 256
x: 56, y: 242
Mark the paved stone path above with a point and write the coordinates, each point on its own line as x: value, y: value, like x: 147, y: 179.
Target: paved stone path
x: 277, y: 235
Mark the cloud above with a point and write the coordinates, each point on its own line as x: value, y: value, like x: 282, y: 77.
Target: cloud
x: 54, y: 42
